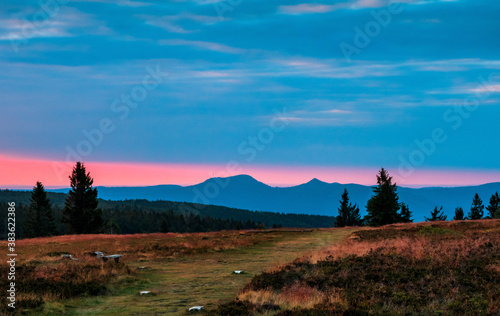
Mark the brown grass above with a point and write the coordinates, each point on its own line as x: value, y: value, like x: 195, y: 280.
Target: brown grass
x: 43, y: 276
x: 421, y: 268
x: 457, y: 237
x: 296, y: 295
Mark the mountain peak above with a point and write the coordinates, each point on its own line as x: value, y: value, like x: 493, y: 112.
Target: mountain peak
x: 315, y: 181
x: 241, y: 179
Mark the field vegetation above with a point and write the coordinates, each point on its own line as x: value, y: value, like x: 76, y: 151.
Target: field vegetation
x: 180, y: 270
x: 431, y: 268
x: 439, y: 268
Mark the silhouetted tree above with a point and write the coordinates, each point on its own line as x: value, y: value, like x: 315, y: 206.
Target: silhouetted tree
x: 476, y: 209
x: 459, y: 214
x: 383, y: 207
x: 348, y: 213
x: 436, y: 215
x: 405, y: 214
x: 80, y: 208
x: 40, y: 221
x: 494, y: 206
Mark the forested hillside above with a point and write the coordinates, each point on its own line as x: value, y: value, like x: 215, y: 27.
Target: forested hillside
x: 142, y: 216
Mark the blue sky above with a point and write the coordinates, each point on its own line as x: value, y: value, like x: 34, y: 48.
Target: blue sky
x: 228, y: 69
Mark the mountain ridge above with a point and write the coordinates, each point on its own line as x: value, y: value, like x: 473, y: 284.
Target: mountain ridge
x: 313, y: 197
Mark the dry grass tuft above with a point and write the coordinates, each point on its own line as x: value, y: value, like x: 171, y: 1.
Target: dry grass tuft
x: 296, y: 295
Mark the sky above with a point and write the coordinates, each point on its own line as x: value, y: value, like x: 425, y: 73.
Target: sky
x: 175, y: 92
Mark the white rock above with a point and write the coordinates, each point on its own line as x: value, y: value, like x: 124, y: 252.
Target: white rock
x: 144, y: 292
x: 99, y: 254
x: 68, y: 257
x: 238, y: 272
x: 196, y: 308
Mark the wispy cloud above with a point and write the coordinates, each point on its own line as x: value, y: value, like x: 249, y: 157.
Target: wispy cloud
x: 306, y: 8
x: 169, y: 26
x: 216, y: 47
x: 123, y: 3
x: 181, y: 23
x: 310, y: 8
x: 67, y: 22
x: 493, y: 88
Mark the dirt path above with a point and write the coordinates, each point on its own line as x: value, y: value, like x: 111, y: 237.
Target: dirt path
x: 202, y: 279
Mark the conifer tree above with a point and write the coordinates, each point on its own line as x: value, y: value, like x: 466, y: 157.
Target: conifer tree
x: 436, y: 215
x: 494, y: 205
x: 40, y: 221
x: 355, y: 216
x: 405, y: 214
x: 383, y: 206
x: 348, y: 213
x: 80, y: 212
x: 476, y: 209
x: 459, y: 214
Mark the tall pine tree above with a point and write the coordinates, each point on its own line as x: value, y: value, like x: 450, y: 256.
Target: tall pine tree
x: 494, y: 206
x: 476, y: 209
x: 80, y: 212
x: 383, y: 206
x: 348, y: 213
x: 40, y: 221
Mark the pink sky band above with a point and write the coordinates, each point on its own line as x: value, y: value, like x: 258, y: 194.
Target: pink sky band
x: 23, y: 173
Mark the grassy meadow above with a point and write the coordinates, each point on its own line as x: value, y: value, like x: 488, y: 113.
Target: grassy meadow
x: 439, y: 268
x: 180, y: 270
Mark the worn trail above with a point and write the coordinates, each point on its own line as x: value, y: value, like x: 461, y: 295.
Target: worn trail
x: 201, y: 279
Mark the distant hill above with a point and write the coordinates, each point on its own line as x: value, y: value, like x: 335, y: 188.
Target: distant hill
x: 313, y: 197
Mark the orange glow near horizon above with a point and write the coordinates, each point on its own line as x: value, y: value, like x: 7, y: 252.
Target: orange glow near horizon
x: 19, y: 172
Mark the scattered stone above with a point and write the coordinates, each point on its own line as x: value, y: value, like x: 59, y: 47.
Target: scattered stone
x: 68, y: 257
x: 144, y: 292
x: 238, y: 272
x: 142, y: 268
x: 104, y: 258
x: 196, y: 308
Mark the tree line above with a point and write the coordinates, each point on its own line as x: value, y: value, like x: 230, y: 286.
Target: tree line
x: 384, y: 208
x: 81, y: 212
x: 81, y: 215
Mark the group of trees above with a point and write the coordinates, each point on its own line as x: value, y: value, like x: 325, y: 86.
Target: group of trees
x: 384, y: 207
x: 476, y: 210
x: 80, y: 213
